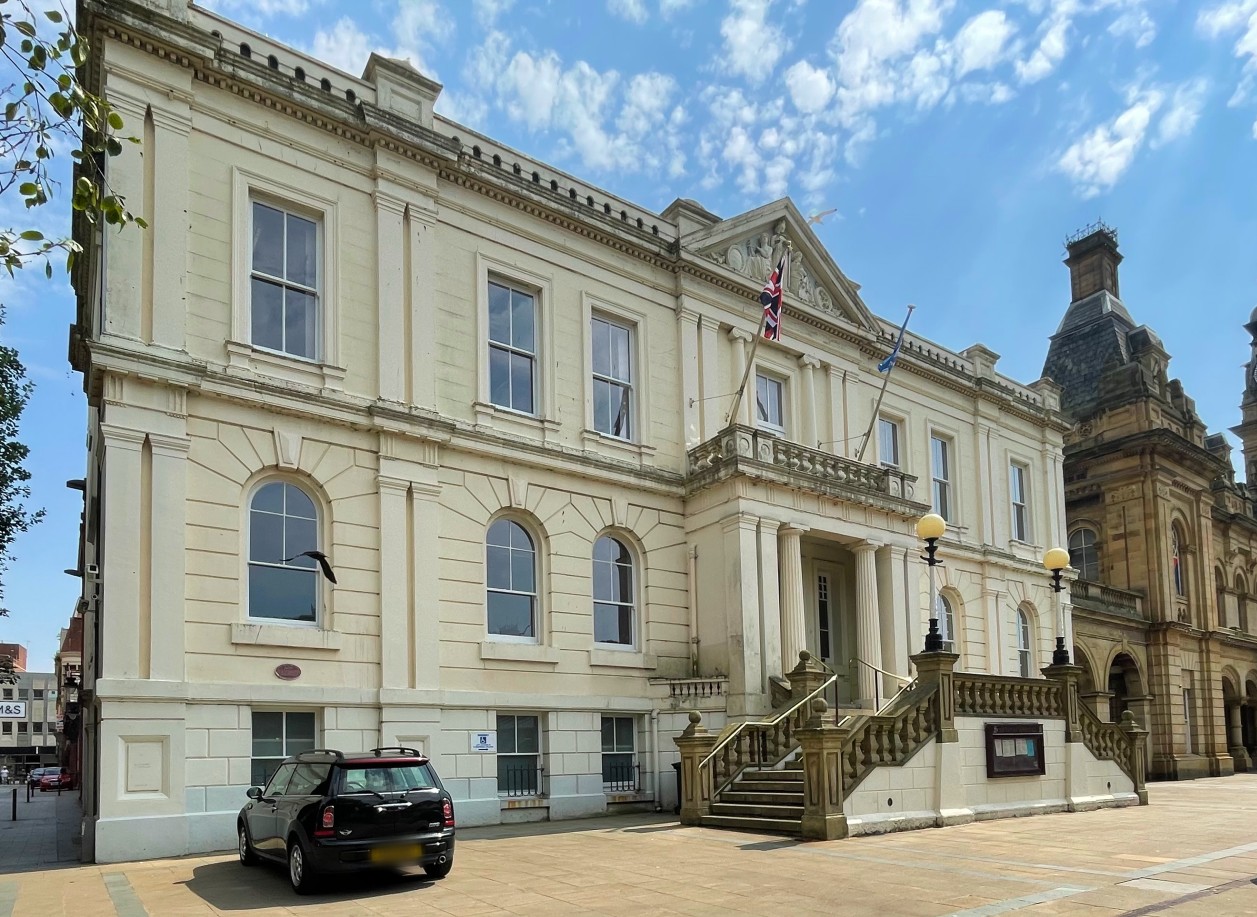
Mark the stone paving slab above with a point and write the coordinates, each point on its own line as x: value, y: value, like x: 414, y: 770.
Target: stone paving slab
x: 1192, y: 852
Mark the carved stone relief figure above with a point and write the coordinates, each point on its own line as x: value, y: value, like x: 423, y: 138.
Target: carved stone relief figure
x: 757, y: 266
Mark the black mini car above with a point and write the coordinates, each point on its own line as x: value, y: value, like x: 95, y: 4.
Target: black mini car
x: 325, y: 812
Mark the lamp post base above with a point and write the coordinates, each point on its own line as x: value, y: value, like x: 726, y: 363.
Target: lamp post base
x: 1060, y: 656
x: 933, y: 639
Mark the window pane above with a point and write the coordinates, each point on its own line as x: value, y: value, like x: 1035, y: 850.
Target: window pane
x: 499, y: 377
x: 302, y: 242
x: 604, y: 582
x: 624, y: 582
x: 266, y: 538
x: 506, y: 734
x: 267, y: 311
x: 601, y: 346
x: 498, y: 562
x: 602, y: 406
x: 268, y: 240
x: 888, y: 445
x: 300, y: 535
x: 522, y: 571
x: 510, y: 615
x: 301, y: 323
x: 613, y: 624
x: 521, y: 383
x: 268, y: 735
x: 500, y: 533
x: 624, y: 733
x: 620, y: 408
x: 620, y: 354
x: 298, y: 503
x: 618, y: 769
x: 285, y: 593
x: 608, y: 734
x: 522, y: 321
x: 499, y: 314
x: 299, y: 729
x: 528, y: 734
x: 270, y: 498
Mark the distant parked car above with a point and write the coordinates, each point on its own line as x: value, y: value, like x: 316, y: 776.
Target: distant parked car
x: 36, y: 774
x: 56, y: 778
x: 324, y: 812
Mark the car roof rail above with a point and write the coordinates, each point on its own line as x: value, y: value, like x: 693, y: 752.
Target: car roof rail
x: 318, y: 754
x: 402, y: 749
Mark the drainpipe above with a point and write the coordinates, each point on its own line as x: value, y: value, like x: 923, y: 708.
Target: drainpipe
x: 654, y: 754
x: 693, y: 558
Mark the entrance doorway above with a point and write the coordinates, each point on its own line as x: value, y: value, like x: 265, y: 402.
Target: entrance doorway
x: 829, y: 627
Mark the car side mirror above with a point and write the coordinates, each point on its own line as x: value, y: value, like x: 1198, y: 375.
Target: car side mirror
x: 254, y: 792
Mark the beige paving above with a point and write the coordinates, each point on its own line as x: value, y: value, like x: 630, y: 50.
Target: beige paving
x: 1192, y: 852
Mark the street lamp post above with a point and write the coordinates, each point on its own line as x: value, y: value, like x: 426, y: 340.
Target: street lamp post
x: 1056, y: 560
x: 930, y: 529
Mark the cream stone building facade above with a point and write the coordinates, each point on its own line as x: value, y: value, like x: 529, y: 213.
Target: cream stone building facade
x: 495, y: 397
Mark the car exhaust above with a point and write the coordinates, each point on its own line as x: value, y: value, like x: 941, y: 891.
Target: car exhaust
x: 442, y: 860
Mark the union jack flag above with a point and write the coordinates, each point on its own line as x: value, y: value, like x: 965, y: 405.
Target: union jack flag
x: 771, y: 298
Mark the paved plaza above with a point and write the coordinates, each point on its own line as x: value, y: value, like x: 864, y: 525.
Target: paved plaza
x: 1192, y: 852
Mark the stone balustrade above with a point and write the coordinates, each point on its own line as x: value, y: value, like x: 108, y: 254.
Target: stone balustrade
x: 746, y: 450
x: 1108, y: 598
x: 994, y: 695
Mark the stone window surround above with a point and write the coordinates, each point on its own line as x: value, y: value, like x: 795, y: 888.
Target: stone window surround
x: 544, y: 422
x: 768, y: 368
x: 1027, y: 497
x: 901, y: 439
x: 1024, y: 613
x: 636, y: 448
x: 540, y: 581
x: 636, y: 556
x: 242, y: 356
x: 951, y: 436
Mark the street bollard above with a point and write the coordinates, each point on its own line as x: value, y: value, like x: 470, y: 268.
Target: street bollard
x: 14, y: 817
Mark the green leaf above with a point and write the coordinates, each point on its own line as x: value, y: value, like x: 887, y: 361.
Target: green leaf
x: 27, y: 188
x: 115, y: 120
x: 53, y: 15
x: 48, y: 269
x: 32, y: 235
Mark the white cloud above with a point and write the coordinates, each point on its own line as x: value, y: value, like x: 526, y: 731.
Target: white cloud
x: 1053, y: 43
x: 1136, y: 25
x: 810, y: 87
x: 418, y: 27
x: 982, y: 42
x: 263, y: 8
x: 1183, y: 113
x: 488, y: 11
x: 1096, y: 161
x: 632, y: 10
x: 1226, y: 17
x: 752, y: 44
x: 344, y: 46
x: 668, y: 7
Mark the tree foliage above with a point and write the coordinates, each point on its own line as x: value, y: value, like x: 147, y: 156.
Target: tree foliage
x: 47, y: 108
x: 15, y: 517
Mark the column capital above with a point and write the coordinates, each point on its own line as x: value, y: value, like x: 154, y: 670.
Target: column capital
x: 793, y: 528
x: 390, y: 484
x: 121, y: 437
x: 807, y: 361
x: 866, y: 547
x: 173, y: 446
x: 738, y: 521
x: 740, y: 334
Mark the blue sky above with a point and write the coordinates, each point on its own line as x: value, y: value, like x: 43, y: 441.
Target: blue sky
x: 959, y: 142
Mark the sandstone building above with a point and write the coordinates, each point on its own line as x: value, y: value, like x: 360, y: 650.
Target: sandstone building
x: 495, y: 396
x: 1163, y: 539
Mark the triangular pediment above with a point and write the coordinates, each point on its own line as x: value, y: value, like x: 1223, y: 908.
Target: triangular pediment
x: 750, y: 245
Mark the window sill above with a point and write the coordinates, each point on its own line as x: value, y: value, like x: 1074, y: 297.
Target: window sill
x: 506, y: 420
x: 600, y: 442
x: 523, y: 802
x: 519, y: 652
x: 622, y: 659
x: 289, y: 635
x: 245, y: 360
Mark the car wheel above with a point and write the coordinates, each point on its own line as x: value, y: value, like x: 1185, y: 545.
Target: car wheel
x: 247, y: 854
x: 300, y: 875
x: 439, y: 870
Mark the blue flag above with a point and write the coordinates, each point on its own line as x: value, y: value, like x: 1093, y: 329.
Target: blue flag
x: 886, y: 365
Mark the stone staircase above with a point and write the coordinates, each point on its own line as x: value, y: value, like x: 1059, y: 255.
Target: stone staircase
x: 760, y: 799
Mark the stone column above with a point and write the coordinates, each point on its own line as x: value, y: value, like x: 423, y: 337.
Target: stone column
x: 1235, y: 735
x: 168, y: 584
x: 823, y: 789
x: 1138, y: 754
x: 793, y: 621
x: 742, y: 612
x: 868, y: 627
x: 772, y: 589
x: 1101, y: 705
x: 696, y: 789
x: 807, y: 425
x: 741, y: 339
x: 893, y: 614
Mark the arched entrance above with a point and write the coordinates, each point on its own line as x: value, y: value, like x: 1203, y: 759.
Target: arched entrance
x: 1233, y: 709
x: 1125, y: 685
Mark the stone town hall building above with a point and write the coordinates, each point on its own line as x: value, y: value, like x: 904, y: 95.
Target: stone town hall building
x: 1163, y: 539
x: 495, y: 396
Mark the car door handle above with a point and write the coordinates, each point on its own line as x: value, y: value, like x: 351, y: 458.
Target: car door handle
x: 274, y: 808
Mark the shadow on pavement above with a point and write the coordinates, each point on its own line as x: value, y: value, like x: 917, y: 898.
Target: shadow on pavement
x: 633, y: 823
x: 228, y: 886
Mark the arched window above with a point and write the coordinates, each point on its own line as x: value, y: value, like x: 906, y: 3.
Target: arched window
x: 1241, y: 598
x: 1176, y: 562
x: 614, y: 608
x: 511, y: 578
x: 1025, y: 655
x: 1084, y: 556
x: 283, y: 524
x: 1219, y: 585
x: 946, y: 623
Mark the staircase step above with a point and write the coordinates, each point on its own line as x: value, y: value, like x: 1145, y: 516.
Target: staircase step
x: 793, y: 774
x: 737, y: 823
x: 774, y: 787
x: 758, y: 811
x: 751, y: 797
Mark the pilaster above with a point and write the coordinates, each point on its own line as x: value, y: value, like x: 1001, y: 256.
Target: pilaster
x: 893, y: 614
x: 742, y: 611
x: 168, y: 230
x: 169, y: 483
x: 396, y: 617
x: 712, y: 406
x: 807, y: 426
x: 391, y: 279
x: 120, y: 583
x: 687, y: 333
x: 741, y: 343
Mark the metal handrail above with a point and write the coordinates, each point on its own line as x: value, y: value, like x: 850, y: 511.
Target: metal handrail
x: 769, y: 722
x: 899, y: 678
x: 877, y: 690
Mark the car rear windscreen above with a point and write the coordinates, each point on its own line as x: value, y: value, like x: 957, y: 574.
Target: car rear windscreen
x: 388, y: 778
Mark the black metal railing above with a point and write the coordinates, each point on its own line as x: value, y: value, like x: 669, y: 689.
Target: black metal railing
x: 520, y: 779
x: 621, y: 777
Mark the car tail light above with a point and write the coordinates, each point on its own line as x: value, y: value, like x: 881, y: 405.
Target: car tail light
x: 447, y: 814
x: 327, y: 823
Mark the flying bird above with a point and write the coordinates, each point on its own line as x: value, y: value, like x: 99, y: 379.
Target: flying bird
x: 324, y: 565
x: 819, y: 217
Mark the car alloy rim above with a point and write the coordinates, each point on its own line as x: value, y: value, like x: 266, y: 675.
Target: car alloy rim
x: 295, y: 864
x: 244, y: 844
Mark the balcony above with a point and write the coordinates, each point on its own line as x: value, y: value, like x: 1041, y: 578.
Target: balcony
x: 1098, y: 597
x: 739, y: 450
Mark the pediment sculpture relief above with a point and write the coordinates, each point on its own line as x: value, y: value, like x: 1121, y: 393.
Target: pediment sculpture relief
x: 755, y: 256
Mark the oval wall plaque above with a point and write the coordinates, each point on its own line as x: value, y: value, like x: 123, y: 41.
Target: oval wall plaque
x: 287, y: 671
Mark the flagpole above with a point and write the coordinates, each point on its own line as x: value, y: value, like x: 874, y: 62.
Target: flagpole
x: 731, y: 418
x: 880, y: 395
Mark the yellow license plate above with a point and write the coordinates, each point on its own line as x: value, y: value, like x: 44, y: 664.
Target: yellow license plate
x: 400, y: 854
